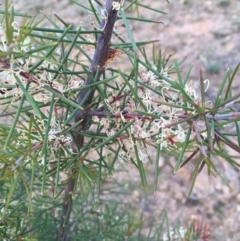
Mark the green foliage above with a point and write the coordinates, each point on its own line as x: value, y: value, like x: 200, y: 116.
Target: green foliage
x: 66, y: 128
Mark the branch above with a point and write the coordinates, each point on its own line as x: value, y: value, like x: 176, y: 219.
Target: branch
x: 100, y: 55
x: 84, y: 99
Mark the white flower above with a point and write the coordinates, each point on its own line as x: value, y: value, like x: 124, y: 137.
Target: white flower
x: 4, y: 46
x: 181, y: 136
x: 110, y: 132
x: 191, y: 92
x: 143, y: 154
x: 167, y: 236
x: 182, y: 232
x: 116, y: 6
x: 148, y: 100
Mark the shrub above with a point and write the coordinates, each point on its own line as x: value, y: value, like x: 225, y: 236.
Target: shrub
x: 71, y: 116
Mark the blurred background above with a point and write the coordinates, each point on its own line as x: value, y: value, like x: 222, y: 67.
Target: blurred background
x: 206, y: 33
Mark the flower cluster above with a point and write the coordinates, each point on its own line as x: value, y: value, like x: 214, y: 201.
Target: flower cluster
x: 160, y: 120
x: 17, y: 79
x: 18, y: 44
x: 148, y: 76
x: 19, y: 68
x: 10, y: 88
x: 55, y: 139
x: 54, y: 136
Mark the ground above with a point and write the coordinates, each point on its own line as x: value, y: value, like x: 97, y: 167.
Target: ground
x: 207, y: 33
